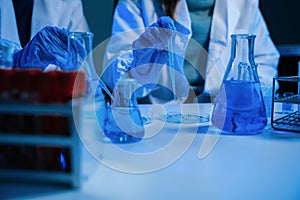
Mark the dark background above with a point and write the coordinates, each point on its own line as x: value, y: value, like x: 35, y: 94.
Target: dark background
x: 99, y: 15
x: 282, y: 17
x: 283, y: 20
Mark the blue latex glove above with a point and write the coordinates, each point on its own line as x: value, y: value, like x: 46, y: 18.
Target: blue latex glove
x: 152, y: 50
x: 152, y: 45
x: 50, y: 46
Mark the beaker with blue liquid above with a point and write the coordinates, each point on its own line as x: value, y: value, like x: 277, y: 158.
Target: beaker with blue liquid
x: 239, y: 107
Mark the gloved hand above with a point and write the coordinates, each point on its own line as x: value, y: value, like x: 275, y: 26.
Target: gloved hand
x: 151, y: 51
x: 152, y: 45
x: 50, y: 46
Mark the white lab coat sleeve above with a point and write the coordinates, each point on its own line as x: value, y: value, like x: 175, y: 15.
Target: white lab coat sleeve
x: 128, y: 25
x: 8, y: 22
x: 78, y: 21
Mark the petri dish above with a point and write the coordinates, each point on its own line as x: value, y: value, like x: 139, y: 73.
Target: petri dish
x: 184, y: 118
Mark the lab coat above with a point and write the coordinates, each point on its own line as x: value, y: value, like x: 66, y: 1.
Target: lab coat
x: 229, y: 17
x: 61, y: 13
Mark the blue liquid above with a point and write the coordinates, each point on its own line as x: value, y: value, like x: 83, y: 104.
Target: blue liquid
x: 123, y: 125
x: 239, y: 108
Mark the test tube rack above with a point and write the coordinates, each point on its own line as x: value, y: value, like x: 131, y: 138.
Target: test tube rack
x: 29, y: 154
x: 286, y: 105
x: 38, y: 138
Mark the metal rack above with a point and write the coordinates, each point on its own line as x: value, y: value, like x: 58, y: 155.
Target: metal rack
x: 286, y: 108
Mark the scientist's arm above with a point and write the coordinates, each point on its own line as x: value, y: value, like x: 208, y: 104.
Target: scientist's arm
x: 127, y: 25
x: 150, y: 48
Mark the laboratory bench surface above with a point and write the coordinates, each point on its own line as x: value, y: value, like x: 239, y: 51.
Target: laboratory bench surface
x: 180, y: 162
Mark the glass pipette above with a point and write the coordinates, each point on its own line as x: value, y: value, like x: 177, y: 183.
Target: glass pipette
x: 171, y: 63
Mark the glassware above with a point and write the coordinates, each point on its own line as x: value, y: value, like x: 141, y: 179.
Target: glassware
x: 0, y: 22
x: 239, y: 107
x: 285, y: 107
x: 123, y: 122
x: 183, y: 118
x: 299, y: 91
x: 93, y: 80
x: 7, y: 50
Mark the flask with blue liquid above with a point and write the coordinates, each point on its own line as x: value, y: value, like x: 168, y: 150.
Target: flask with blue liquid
x: 123, y: 122
x: 239, y: 107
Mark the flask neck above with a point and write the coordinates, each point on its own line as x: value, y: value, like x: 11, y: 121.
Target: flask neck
x: 241, y: 65
x: 242, y: 49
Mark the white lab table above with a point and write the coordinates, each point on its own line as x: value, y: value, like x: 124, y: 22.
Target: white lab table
x: 263, y: 166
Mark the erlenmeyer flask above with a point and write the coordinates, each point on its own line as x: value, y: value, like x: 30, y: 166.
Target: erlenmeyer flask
x: 123, y: 123
x: 239, y: 107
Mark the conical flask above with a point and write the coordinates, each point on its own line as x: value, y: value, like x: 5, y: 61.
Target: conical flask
x: 123, y: 122
x: 239, y: 107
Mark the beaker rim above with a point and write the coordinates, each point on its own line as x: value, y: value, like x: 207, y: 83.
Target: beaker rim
x: 88, y: 33
x: 243, y: 35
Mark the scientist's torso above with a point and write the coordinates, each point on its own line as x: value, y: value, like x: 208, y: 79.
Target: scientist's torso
x: 62, y: 13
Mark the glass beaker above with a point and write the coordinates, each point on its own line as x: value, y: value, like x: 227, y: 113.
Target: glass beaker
x: 86, y: 40
x: 94, y: 83
x: 7, y: 51
x: 123, y: 123
x: 239, y: 107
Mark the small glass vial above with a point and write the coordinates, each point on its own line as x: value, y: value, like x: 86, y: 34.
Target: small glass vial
x: 123, y: 123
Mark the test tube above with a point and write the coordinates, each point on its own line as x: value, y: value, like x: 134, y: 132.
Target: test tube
x: 298, y: 90
x: 0, y: 22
